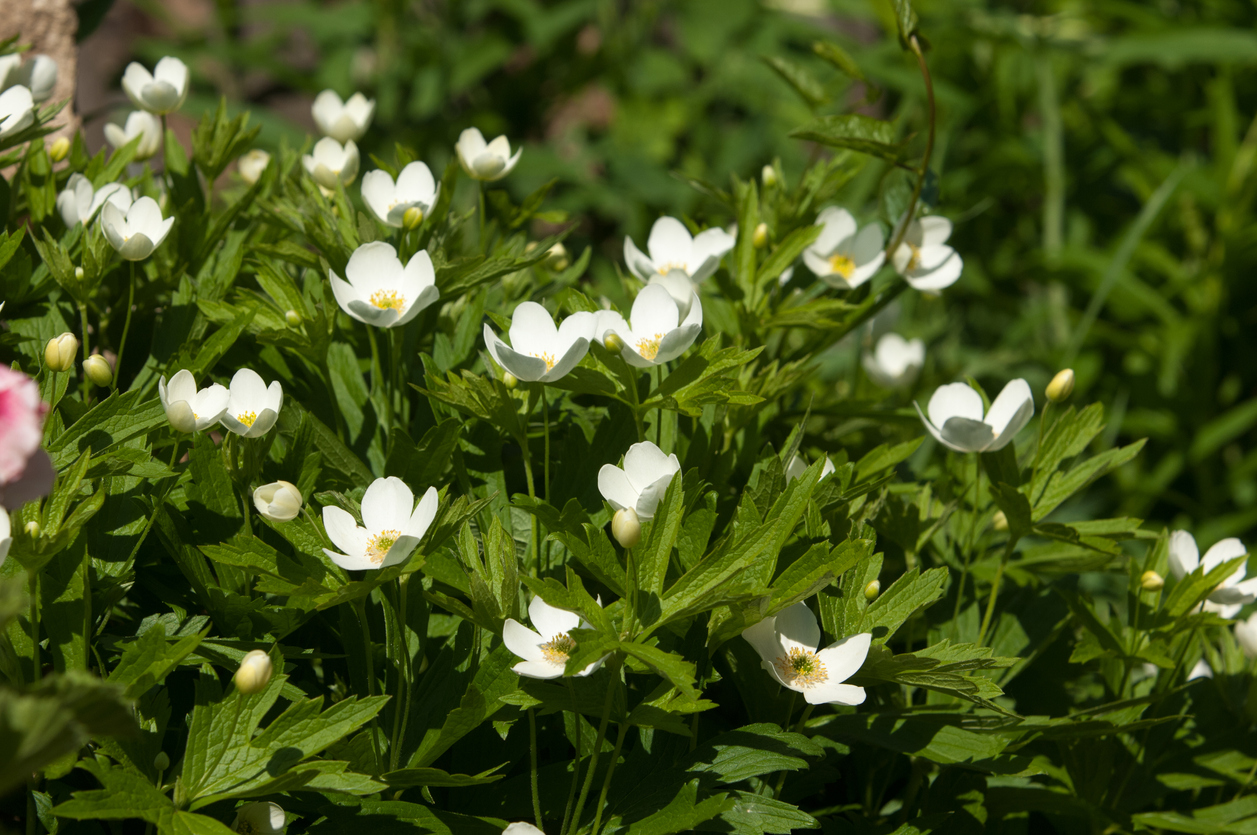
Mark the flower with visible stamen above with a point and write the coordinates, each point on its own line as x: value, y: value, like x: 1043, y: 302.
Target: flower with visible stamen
x: 539, y: 351
x: 677, y: 261
x: 546, y: 650
x: 391, y: 201
x: 654, y: 335
x: 788, y: 647
x: 380, y: 291
x: 391, y: 526
x: 924, y: 259
x: 137, y: 232
x: 485, y: 161
x: 841, y: 256
x: 330, y: 162
x: 252, y: 407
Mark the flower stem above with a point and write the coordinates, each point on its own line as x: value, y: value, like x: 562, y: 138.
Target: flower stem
x: 126, y: 328
x: 360, y: 606
x: 999, y: 577
x: 36, y: 666
x: 532, y: 766
x: 1038, y: 444
x: 571, y: 791
x: 915, y: 46
x: 379, y: 385
x: 630, y: 581
x: 606, y: 783
x: 614, y: 669
x: 402, y: 662
x: 545, y: 415
x: 87, y: 386
x: 964, y: 573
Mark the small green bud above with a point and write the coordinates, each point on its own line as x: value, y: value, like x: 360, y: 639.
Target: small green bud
x: 613, y: 343
x: 1000, y: 522
x: 626, y: 528
x: 509, y: 380
x: 98, y: 371
x: 59, y: 149
x: 293, y: 318
x: 556, y: 258
x: 412, y: 218
x: 162, y: 761
x: 1061, y: 387
x: 1151, y: 581
x: 32, y: 529
x: 760, y: 239
x: 769, y: 176
x: 60, y: 351
x: 78, y: 273
x: 871, y: 591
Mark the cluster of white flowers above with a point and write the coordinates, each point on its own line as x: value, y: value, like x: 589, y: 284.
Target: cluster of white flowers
x: 248, y: 408
x: 22, y: 86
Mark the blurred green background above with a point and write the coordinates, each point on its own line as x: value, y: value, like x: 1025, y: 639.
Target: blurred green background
x: 1097, y: 159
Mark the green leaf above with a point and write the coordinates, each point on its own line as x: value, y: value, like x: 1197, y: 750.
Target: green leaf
x: 1016, y: 508
x: 862, y: 134
x: 803, y: 82
x: 911, y: 592
x: 838, y: 58
x: 408, y: 777
x: 148, y: 659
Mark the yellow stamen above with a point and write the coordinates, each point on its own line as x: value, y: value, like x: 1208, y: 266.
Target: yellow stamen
x: 915, y: 260
x: 801, y: 667
x: 649, y: 348
x: 388, y: 300
x: 664, y: 269
x: 559, y: 648
x: 842, y: 265
x: 378, y: 545
x: 247, y: 418
x: 548, y: 357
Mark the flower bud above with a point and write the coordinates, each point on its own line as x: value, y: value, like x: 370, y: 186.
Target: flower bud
x: 872, y: 590
x: 625, y: 527
x: 162, y: 761
x: 98, y: 371
x: 769, y: 176
x: 1151, y: 581
x: 613, y: 343
x: 78, y: 273
x: 293, y: 318
x: 259, y: 819
x: 1062, y: 386
x: 760, y: 239
x: 254, y: 673
x: 556, y: 258
x: 509, y: 380
x: 412, y: 218
x: 59, y: 149
x: 60, y: 351
x: 32, y: 529
x: 1000, y: 521
x: 279, y: 501
x: 252, y: 164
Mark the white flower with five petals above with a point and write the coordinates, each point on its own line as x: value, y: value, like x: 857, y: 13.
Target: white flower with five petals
x: 956, y: 416
x: 643, y: 481
x: 677, y: 261
x: 652, y: 335
x: 540, y: 352
x: 138, y: 231
x: 841, y: 256
x: 789, y: 649
x: 389, y: 201
x: 330, y: 162
x: 160, y: 91
x: 485, y: 161
x: 79, y: 202
x: 189, y: 409
x: 380, y: 291
x: 1233, y: 592
x: 343, y: 120
x: 391, y: 526
x: 17, y: 110
x: 895, y: 362
x: 138, y: 123
x: 545, y: 651
x: 252, y: 406
x: 923, y: 257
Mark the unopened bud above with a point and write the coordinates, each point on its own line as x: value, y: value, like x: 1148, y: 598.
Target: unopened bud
x: 278, y: 501
x: 60, y: 352
x: 293, y: 318
x: 78, y: 273
x: 625, y: 527
x: 509, y: 380
x: 252, y: 164
x: 254, y: 673
x: 412, y: 218
x: 98, y: 371
x: 1151, y: 581
x: 760, y: 239
x: 613, y: 343
x: 872, y: 590
x: 162, y: 761
x: 59, y: 149
x: 1000, y: 521
x: 32, y: 529
x: 1062, y: 386
x: 556, y: 258
x: 769, y: 176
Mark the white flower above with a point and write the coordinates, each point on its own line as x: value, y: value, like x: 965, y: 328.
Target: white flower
x: 788, y: 649
x: 10, y: 66
x: 540, y: 352
x: 924, y: 259
x: 139, y: 231
x: 188, y: 409
x: 391, y: 526
x: 330, y: 162
x: 259, y: 819
x: 798, y: 467
x: 1200, y: 670
x: 17, y: 110
x: 487, y: 162
x: 279, y: 501
x: 6, y: 538
x: 345, y: 120
x: 252, y: 407
x: 254, y: 672
x: 1245, y: 632
x: 79, y: 202
x: 677, y: 261
x: 545, y: 651
x: 139, y: 123
x: 522, y: 829
x: 956, y: 418
x: 841, y: 256
x: 380, y: 291
x: 895, y: 362
x: 643, y: 481
x: 252, y: 164
x: 1233, y: 592
x: 158, y: 92
x: 415, y: 189
x: 39, y: 75
x: 654, y: 336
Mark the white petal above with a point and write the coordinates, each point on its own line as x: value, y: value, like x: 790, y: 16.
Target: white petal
x: 1008, y: 410
x: 387, y: 505
x: 528, y: 368
x: 522, y: 641
x: 422, y: 518
x: 842, y: 694
x: 551, y: 621
x: 838, y: 226
x: 944, y: 275
x: 344, y: 531
x: 378, y: 192
x: 935, y: 230
x: 615, y: 487
x: 373, y: 264
x: 567, y: 361
x: 538, y: 669
x: 637, y: 262
x: 654, y: 312
x: 669, y: 243
x: 645, y: 463
x: 416, y: 184
x: 844, y: 658
x: 532, y: 329
x: 797, y: 627
x: 1183, y: 553
x: 954, y: 400
x: 1227, y: 549
x: 968, y: 435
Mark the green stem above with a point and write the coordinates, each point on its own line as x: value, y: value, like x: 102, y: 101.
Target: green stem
x: 245, y: 501
x: 126, y: 327
x: 480, y: 202
x: 630, y: 579
x: 361, y: 608
x: 614, y: 669
x: 571, y: 790
x: 397, y: 399
x: 630, y: 377
x: 378, y: 384
x: 1038, y: 444
x: 606, y: 783
x: 532, y: 765
x: 87, y: 383
x: 915, y: 46
x: 781, y: 780
x: 407, y: 666
x: 999, y: 577
x: 36, y: 666
x: 964, y: 573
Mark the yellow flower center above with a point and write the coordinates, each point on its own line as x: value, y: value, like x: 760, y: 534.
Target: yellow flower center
x: 664, y: 269
x: 378, y: 545
x: 649, y: 347
x: 842, y: 265
x: 548, y: 357
x: 559, y: 648
x: 388, y: 300
x: 915, y: 260
x: 801, y: 667
x: 247, y: 418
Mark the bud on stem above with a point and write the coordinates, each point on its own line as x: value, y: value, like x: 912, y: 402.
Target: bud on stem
x: 254, y: 673
x: 626, y: 528
x: 60, y: 352
x: 1062, y: 386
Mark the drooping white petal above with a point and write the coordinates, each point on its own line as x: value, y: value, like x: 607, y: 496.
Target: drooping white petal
x: 344, y: 531
x: 1183, y: 554
x: 843, y: 658
x: 831, y: 693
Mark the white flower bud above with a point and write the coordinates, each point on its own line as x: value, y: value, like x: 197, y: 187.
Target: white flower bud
x: 412, y: 218
x: 162, y: 761
x: 78, y: 273
x: 871, y: 591
x: 98, y: 371
x: 279, y: 501
x: 32, y: 529
x: 769, y: 176
x: 1151, y: 581
x: 509, y: 380
x: 1062, y: 386
x: 293, y: 318
x: 625, y: 527
x: 60, y: 352
x: 1000, y: 521
x: 760, y: 237
x: 254, y: 673
x: 259, y: 819
x: 556, y: 258
x: 252, y: 164
x: 613, y: 343
x: 59, y: 149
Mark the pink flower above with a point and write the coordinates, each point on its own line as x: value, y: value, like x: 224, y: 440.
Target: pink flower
x: 25, y: 470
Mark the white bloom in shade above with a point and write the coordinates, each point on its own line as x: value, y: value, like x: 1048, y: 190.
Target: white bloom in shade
x: 539, y: 351
x: 895, y: 362
x: 545, y: 651
x: 488, y: 162
x: 391, y: 526
x: 924, y: 259
x: 160, y: 91
x: 788, y: 647
x: 141, y: 124
x: 654, y: 336
x: 643, y: 481
x: 1200, y: 670
x: 39, y: 75
x: 188, y: 409
x: 79, y: 202
x: 1233, y: 592
x: 677, y: 261
x: 342, y: 120
x: 522, y: 829
x: 1245, y: 634
x: 379, y: 290
x: 798, y: 467
x: 279, y: 501
x: 17, y: 110
x: 415, y: 189
x: 139, y: 231
x: 842, y: 256
x: 252, y: 164
x: 330, y: 162
x: 252, y: 407
x: 956, y: 418
x: 259, y: 819
x: 6, y: 538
